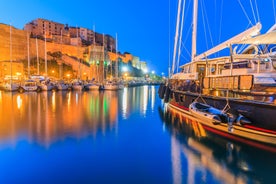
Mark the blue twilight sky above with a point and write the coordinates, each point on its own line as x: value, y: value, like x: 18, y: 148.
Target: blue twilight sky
x: 145, y: 28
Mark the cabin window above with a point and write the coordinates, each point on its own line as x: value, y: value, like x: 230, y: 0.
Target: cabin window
x: 240, y: 64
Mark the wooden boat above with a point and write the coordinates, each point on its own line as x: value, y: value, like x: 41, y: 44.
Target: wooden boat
x: 245, y: 81
x: 29, y: 86
x: 244, y: 132
x: 77, y: 85
x: 10, y: 86
x: 91, y: 86
x: 206, y: 112
x: 61, y: 85
x: 111, y: 85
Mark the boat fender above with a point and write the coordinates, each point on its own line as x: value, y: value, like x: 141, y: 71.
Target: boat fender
x: 176, y: 96
x: 160, y: 89
x: 167, y: 94
x: 163, y: 90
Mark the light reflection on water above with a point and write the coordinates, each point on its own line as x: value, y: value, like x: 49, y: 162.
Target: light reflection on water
x: 45, y: 117
x: 115, y: 137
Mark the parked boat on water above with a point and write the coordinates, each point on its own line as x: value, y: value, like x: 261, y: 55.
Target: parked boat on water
x: 244, y: 81
x: 29, y: 86
x: 10, y: 86
x: 62, y: 86
x: 77, y: 85
x: 91, y: 85
x: 47, y: 85
x: 113, y: 85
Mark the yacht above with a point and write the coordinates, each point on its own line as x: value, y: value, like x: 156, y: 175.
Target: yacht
x: 241, y: 84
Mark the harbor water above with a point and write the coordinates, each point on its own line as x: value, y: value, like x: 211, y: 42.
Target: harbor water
x: 121, y: 136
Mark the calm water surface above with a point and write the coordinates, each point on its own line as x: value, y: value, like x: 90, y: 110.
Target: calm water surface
x: 115, y: 137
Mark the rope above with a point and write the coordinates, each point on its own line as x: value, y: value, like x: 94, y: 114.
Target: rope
x: 169, y: 40
x: 227, y: 106
x: 205, y: 34
x: 208, y: 25
x: 253, y: 11
x: 200, y: 96
x: 184, y: 42
x: 273, y: 5
x: 220, y: 22
x: 245, y: 12
x: 259, y: 20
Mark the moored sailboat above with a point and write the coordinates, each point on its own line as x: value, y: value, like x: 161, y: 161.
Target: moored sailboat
x: 244, y: 82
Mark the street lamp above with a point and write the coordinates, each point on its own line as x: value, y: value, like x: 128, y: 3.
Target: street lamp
x: 125, y: 69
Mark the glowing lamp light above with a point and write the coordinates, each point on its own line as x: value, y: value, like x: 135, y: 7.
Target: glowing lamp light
x: 124, y: 69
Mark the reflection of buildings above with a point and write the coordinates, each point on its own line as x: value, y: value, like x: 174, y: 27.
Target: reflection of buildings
x: 46, y: 117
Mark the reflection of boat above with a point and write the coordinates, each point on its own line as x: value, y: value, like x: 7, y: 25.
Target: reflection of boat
x: 29, y: 85
x: 245, y: 82
x: 228, y: 161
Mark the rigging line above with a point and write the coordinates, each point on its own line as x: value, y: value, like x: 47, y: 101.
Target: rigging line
x: 186, y: 50
x: 176, y: 36
x: 208, y: 25
x: 185, y: 58
x: 220, y: 26
x: 253, y: 12
x: 273, y: 5
x: 245, y: 13
x: 204, y: 26
x: 215, y: 15
x: 257, y: 9
x: 241, y: 49
x: 180, y: 37
x: 187, y: 35
x: 169, y: 40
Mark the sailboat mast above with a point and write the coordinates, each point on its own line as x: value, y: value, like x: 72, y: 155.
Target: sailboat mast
x: 28, y: 50
x: 45, y: 54
x: 37, y: 59
x: 116, y: 64
x: 79, y: 72
x: 103, y: 57
x: 176, y: 38
x: 194, y: 29
x: 10, y: 53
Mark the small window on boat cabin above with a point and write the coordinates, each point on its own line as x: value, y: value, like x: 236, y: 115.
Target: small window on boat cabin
x: 201, y: 69
x: 240, y: 64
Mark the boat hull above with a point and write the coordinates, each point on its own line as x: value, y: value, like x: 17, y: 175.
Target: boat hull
x: 243, y: 133
x: 261, y: 114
